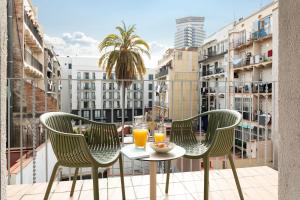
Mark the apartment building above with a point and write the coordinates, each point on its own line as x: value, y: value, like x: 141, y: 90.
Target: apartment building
x: 87, y: 91
x: 250, y: 62
x: 27, y: 87
x: 214, y: 69
x: 177, y: 84
x: 52, y: 74
x: 189, y: 32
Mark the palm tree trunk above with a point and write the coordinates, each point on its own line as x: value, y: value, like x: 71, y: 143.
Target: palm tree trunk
x: 123, y: 110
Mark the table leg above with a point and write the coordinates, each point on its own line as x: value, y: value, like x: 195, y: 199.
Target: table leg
x: 152, y: 180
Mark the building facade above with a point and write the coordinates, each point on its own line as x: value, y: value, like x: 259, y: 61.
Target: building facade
x: 250, y: 61
x: 214, y: 69
x: 28, y: 97
x: 189, y: 32
x: 177, y: 84
x: 88, y: 92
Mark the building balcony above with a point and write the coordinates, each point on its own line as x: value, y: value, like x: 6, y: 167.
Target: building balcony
x: 212, y: 55
x: 32, y: 65
x: 250, y: 62
x: 33, y: 37
x: 213, y: 73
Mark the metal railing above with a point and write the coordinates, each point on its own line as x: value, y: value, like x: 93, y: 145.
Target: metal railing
x: 28, y: 141
x: 32, y: 61
x: 33, y: 29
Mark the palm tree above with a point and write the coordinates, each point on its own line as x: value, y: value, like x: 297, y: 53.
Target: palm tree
x: 123, y: 53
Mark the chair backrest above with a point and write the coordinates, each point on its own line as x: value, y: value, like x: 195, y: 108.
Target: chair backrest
x: 220, y: 131
x: 69, y: 148
x: 219, y: 135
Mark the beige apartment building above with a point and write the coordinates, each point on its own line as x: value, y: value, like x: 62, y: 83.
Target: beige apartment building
x: 177, y: 84
x: 251, y: 86
x: 214, y: 69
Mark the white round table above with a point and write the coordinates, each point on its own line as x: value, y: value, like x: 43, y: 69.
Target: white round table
x: 175, y: 153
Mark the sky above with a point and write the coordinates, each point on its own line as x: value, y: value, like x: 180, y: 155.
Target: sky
x: 75, y: 27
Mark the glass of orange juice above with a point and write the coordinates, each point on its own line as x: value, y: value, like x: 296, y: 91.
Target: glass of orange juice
x: 159, y: 137
x: 140, y: 136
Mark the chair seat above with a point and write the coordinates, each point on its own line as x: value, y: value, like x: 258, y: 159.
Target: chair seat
x: 104, y: 155
x: 194, y: 150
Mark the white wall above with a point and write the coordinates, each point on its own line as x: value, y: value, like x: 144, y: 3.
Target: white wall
x: 40, y: 167
x: 288, y: 100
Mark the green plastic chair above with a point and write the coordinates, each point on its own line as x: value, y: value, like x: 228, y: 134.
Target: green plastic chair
x: 98, y: 147
x: 218, y: 142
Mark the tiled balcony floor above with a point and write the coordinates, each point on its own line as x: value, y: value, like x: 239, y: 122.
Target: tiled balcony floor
x: 256, y: 182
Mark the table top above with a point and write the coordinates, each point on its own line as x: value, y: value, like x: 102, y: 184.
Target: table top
x: 175, y: 153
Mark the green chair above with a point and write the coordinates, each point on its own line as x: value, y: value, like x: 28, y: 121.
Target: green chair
x: 98, y: 147
x: 218, y: 142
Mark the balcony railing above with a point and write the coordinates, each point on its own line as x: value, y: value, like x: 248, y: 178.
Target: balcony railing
x: 32, y: 61
x: 182, y: 99
x: 253, y: 60
x: 213, y: 71
x: 33, y: 29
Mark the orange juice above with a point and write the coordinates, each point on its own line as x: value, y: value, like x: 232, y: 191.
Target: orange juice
x: 159, y: 137
x: 140, y: 137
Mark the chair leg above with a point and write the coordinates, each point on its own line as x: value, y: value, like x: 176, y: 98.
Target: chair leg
x: 122, y: 177
x: 54, y: 171
x: 235, y: 177
x: 95, y: 183
x: 74, y: 182
x: 206, y: 177
x: 168, y: 176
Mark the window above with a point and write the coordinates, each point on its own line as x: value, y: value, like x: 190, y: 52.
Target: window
x: 110, y: 95
x: 93, y: 104
x: 135, y: 104
x: 135, y: 95
x: 85, y: 95
x: 97, y: 114
x: 111, y: 86
x: 86, y: 75
x: 94, y: 75
x: 150, y: 77
x: 78, y: 75
x: 110, y: 104
x: 85, y: 104
x: 104, y: 86
x: 93, y: 95
x: 86, y: 114
x: 104, y: 76
x: 104, y: 104
x: 93, y: 86
x: 118, y: 104
x: 150, y: 95
x: 150, y: 104
x: 86, y: 86
x: 70, y: 65
x: 150, y: 86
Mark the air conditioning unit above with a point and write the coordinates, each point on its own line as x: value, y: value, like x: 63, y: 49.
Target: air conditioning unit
x: 257, y: 59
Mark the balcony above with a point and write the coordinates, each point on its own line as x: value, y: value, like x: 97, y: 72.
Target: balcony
x: 250, y: 62
x: 32, y: 65
x: 257, y: 179
x: 217, y: 72
x: 32, y: 34
x: 256, y: 182
x: 212, y: 55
